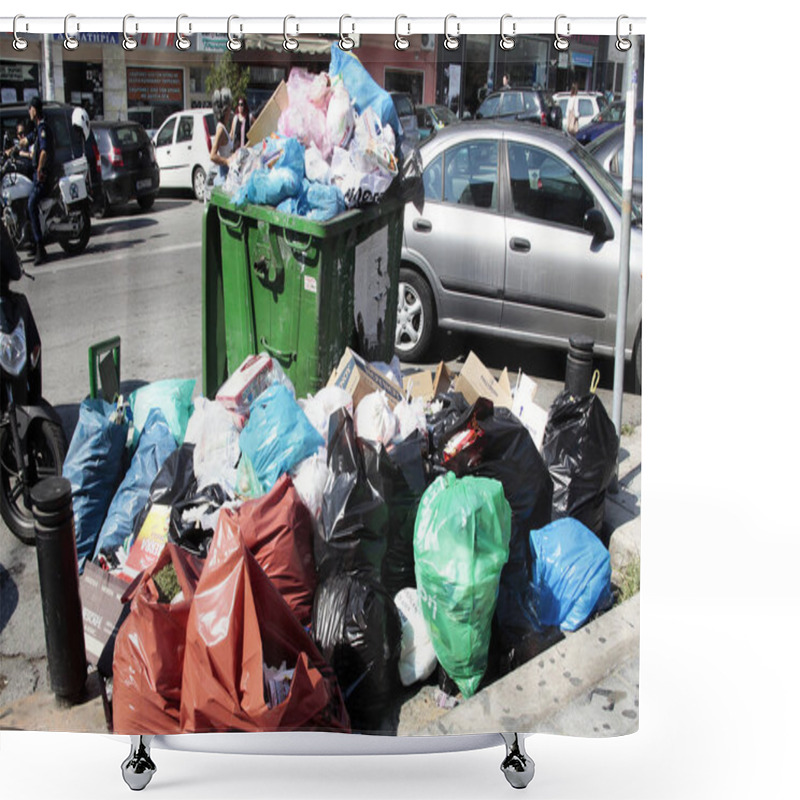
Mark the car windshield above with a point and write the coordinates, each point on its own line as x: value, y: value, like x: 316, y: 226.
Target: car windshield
x: 609, y: 186
x: 489, y: 106
x: 443, y: 115
x: 613, y: 113
x: 403, y: 105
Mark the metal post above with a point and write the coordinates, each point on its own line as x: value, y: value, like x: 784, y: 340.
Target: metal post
x: 632, y: 71
x: 48, y: 85
x: 58, y: 581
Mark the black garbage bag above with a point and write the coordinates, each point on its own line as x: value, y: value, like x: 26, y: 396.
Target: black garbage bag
x: 580, y: 449
x: 175, y: 485
x: 400, y: 475
x: 355, y: 516
x: 357, y: 628
x: 490, y: 442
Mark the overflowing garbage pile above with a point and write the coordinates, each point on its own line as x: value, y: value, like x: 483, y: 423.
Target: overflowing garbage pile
x: 297, y: 563
x: 336, y: 146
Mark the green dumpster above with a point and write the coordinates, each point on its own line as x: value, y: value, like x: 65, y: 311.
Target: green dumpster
x: 297, y: 289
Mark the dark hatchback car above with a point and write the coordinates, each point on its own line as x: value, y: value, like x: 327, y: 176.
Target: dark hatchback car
x: 608, y: 118
x: 524, y: 104
x: 69, y: 140
x: 128, y: 163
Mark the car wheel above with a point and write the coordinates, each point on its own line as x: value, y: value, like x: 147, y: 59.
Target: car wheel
x: 103, y: 208
x: 416, y: 318
x: 637, y: 361
x: 146, y: 201
x: 199, y: 183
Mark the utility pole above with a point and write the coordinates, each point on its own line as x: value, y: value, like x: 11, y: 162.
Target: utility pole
x: 48, y: 85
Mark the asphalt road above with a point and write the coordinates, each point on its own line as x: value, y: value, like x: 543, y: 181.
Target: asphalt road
x: 139, y: 279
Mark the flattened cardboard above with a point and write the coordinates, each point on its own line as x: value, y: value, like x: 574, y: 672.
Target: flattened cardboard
x: 358, y: 378
x: 267, y: 121
x: 442, y: 380
x: 103, y: 613
x: 476, y: 381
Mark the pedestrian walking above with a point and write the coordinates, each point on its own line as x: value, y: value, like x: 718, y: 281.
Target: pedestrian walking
x: 572, y: 110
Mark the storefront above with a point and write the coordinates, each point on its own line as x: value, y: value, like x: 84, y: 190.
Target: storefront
x: 19, y: 81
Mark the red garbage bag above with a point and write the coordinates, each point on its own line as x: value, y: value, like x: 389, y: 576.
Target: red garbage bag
x: 149, y: 650
x: 278, y: 531
x: 238, y: 624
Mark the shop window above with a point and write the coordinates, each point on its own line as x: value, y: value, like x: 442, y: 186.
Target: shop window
x: 408, y: 81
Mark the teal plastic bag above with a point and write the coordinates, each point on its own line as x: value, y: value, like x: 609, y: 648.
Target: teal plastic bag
x: 277, y: 436
x: 173, y: 397
x: 571, y: 573
x: 461, y: 540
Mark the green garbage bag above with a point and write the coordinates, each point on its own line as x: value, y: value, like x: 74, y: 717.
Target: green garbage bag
x: 461, y: 540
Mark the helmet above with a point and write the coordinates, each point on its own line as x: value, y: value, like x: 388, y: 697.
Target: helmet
x: 80, y: 119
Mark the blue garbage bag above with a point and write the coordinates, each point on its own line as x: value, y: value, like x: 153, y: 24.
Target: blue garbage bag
x: 571, y: 573
x: 298, y: 204
x: 325, y: 202
x: 173, y: 397
x: 364, y: 91
x: 155, y: 445
x: 284, y: 179
x: 277, y: 436
x: 94, y: 465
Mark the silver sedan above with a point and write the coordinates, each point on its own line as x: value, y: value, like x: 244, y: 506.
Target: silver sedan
x: 518, y: 237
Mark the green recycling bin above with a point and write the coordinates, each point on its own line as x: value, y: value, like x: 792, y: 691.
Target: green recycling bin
x: 297, y: 289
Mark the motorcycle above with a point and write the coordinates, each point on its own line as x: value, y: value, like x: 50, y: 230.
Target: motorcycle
x: 64, y: 214
x: 32, y: 441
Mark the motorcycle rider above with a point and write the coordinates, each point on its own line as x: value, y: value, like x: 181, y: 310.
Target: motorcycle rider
x: 43, y: 156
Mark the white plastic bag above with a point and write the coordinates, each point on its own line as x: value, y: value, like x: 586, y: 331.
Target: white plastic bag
x: 309, y: 478
x: 374, y: 419
x: 417, y: 656
x: 317, y: 168
x: 410, y: 417
x: 215, y: 435
x: 531, y: 415
x: 341, y: 117
x: 325, y: 402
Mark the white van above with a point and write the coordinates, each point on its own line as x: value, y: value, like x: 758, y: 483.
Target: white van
x: 589, y: 104
x: 183, y: 149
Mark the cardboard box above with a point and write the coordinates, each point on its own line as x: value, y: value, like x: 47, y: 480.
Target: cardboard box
x: 359, y: 378
x: 419, y: 384
x: 251, y: 378
x: 442, y: 379
x: 267, y: 121
x: 476, y: 381
x: 103, y: 613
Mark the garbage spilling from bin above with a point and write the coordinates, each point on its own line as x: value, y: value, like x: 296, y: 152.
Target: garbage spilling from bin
x: 325, y: 143
x: 304, y: 563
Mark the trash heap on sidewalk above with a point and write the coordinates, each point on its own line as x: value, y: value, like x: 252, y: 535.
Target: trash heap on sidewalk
x: 260, y: 561
x: 324, y: 143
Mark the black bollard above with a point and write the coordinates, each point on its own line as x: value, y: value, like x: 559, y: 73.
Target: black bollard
x: 578, y: 379
x: 58, y: 582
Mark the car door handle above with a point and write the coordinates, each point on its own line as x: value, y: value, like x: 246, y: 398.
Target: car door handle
x: 189, y: 148
x: 422, y: 225
x: 520, y: 245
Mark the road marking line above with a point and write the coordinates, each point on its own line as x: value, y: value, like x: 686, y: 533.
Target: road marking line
x: 99, y: 259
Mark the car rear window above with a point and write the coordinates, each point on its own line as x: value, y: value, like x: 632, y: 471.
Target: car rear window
x: 403, y: 105
x: 130, y: 135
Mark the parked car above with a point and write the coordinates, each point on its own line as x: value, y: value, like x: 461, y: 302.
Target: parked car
x: 128, y: 163
x: 609, y: 150
x: 433, y: 118
x: 524, y: 104
x: 183, y: 149
x: 69, y: 140
x: 151, y: 117
x: 589, y: 105
x: 518, y: 237
x: 404, y: 106
x: 611, y: 116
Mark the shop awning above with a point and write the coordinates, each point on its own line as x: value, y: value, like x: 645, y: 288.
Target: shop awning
x: 308, y: 45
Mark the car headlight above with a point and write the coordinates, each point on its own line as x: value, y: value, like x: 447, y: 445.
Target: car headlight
x: 13, y: 349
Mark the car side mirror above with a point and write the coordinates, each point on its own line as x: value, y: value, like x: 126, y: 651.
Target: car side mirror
x: 595, y: 222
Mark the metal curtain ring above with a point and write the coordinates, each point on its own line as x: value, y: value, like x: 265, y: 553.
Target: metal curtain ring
x: 181, y: 42
x: 561, y: 43
x: 507, y: 42
x: 70, y: 43
x: 346, y: 42
x: 19, y: 43
x: 289, y: 43
x: 400, y: 42
x: 451, y: 42
x: 128, y: 42
x: 622, y: 44
x: 234, y: 43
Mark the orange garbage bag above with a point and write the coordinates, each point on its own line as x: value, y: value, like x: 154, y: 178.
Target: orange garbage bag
x: 278, y: 531
x: 149, y: 650
x: 238, y: 625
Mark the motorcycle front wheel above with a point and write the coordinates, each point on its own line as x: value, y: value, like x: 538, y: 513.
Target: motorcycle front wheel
x: 46, y: 448
x: 77, y: 244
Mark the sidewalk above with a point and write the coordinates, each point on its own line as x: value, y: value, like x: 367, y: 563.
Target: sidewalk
x: 585, y: 685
